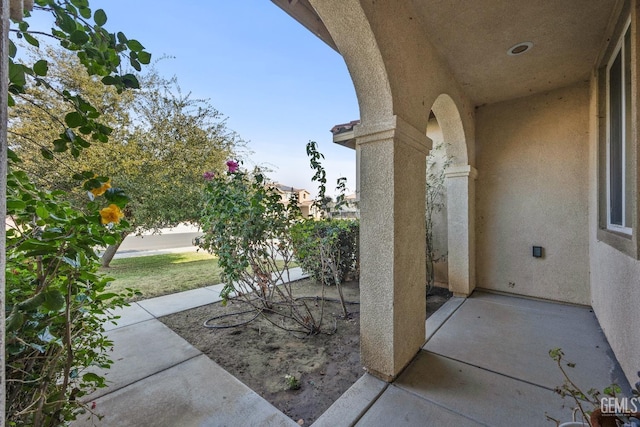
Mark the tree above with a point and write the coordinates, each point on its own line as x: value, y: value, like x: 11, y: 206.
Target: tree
x: 160, y: 144
x: 437, y: 164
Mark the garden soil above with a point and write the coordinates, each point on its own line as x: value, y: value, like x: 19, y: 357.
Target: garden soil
x: 261, y: 355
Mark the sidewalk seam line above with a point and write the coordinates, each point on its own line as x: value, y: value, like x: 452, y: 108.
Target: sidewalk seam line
x: 492, y: 371
x: 369, y: 405
x: 443, y: 322
x: 151, y: 375
x: 440, y: 405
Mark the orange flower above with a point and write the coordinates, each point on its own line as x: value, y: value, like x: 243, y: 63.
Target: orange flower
x: 110, y: 214
x: 99, y: 191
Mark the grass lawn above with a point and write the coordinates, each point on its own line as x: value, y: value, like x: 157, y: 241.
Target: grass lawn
x: 163, y: 274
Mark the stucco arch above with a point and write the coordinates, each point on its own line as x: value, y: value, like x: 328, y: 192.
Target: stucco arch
x: 460, y: 187
x: 350, y: 29
x: 448, y: 116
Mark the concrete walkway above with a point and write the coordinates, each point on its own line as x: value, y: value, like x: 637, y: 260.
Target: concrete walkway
x: 485, y: 363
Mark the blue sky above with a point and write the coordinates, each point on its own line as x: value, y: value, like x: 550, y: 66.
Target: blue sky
x: 278, y: 84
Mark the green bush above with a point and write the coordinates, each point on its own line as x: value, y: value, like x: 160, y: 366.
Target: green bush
x: 246, y: 225
x: 327, y: 249
x: 56, y: 302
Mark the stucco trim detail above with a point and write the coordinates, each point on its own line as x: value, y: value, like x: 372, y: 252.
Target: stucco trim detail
x: 461, y: 171
x: 396, y: 127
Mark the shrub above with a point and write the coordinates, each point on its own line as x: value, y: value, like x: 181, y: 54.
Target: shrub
x: 327, y: 249
x: 248, y: 227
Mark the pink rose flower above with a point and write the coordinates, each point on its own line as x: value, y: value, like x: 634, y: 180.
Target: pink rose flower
x: 232, y: 165
x: 208, y: 175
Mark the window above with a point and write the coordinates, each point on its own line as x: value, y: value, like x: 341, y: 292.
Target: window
x: 619, y: 138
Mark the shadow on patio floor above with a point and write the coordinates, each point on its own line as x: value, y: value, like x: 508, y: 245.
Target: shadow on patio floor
x: 486, y: 362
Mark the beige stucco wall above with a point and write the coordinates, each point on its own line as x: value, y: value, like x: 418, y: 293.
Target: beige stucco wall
x: 615, y: 277
x: 532, y: 189
x: 615, y: 297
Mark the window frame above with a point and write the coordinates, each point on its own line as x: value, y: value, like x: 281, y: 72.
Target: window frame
x: 618, y: 51
x: 624, y: 239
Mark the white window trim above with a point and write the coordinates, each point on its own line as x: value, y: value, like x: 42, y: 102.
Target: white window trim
x: 618, y: 49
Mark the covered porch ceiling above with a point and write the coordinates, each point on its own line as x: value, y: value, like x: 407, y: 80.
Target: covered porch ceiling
x: 474, y: 37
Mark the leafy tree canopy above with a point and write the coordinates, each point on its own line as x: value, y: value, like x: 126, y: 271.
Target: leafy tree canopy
x: 161, y: 140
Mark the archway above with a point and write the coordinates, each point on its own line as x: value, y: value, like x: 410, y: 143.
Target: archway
x: 397, y: 77
x: 459, y: 182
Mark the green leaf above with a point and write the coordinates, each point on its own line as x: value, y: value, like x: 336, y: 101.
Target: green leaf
x: 100, y: 17
x: 14, y: 321
x: 13, y: 205
x: 135, y: 45
x: 106, y: 296
x: 42, y: 212
x: 85, y: 130
x: 82, y: 142
x: 144, y: 57
x: 71, y: 9
x: 79, y: 37
x: 31, y: 303
x: 130, y: 81
x: 91, y: 377
x: 12, y: 49
x: 41, y: 67
x: 135, y: 64
x: 74, y: 119
x: 109, y: 240
x: 16, y: 74
x: 31, y: 40
x: 122, y: 38
x: 59, y: 146
x: 85, y: 12
x: 12, y: 156
x: 110, y: 80
x: 80, y: 3
x: 66, y: 23
x: 53, y: 300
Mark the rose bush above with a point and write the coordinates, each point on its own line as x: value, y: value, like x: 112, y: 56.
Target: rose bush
x: 248, y: 226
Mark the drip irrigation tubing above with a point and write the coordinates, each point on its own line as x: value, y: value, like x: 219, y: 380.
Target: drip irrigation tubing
x: 258, y: 312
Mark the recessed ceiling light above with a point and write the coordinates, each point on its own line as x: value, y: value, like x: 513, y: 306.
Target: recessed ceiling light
x: 519, y: 49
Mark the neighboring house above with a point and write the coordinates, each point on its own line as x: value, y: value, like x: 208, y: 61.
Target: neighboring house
x: 347, y: 210
x: 305, y: 203
x: 537, y: 103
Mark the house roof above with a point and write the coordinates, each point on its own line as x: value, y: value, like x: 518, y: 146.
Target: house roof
x: 345, y: 127
x: 474, y: 37
x: 344, y: 135
x: 287, y: 188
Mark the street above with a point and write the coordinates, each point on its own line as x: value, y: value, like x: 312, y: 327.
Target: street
x: 178, y: 239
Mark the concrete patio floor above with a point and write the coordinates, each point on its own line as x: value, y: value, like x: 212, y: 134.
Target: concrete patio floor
x: 485, y: 363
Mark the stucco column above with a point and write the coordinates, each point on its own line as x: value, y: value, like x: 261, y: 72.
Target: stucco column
x: 460, y: 182
x: 392, y: 244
